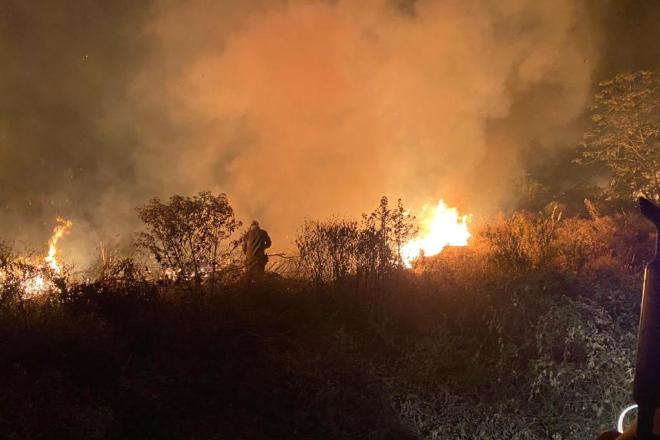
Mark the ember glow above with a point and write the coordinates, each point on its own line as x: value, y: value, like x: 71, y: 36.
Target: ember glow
x: 440, y: 226
x: 34, y: 286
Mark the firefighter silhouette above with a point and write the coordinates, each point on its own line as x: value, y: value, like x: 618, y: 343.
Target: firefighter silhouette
x: 255, y: 243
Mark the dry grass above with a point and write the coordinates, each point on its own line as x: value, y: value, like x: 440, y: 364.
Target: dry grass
x: 526, y: 334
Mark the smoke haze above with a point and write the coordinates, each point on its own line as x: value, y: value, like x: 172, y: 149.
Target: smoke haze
x: 293, y: 108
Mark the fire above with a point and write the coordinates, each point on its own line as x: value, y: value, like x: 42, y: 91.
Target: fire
x: 33, y: 275
x: 62, y: 228
x: 440, y: 226
x: 36, y: 285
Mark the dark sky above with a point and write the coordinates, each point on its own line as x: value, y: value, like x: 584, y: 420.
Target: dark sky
x: 629, y: 40
x: 631, y: 35
x: 86, y: 98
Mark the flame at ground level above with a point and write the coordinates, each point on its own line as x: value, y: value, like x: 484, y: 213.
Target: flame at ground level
x: 440, y: 226
x: 62, y: 228
x: 34, y: 276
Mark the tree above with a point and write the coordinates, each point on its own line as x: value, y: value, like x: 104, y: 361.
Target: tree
x: 187, y: 235
x: 625, y: 137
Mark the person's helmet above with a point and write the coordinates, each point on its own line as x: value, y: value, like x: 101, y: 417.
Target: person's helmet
x: 255, y: 224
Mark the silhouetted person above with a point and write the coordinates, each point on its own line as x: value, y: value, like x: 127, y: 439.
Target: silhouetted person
x: 255, y: 243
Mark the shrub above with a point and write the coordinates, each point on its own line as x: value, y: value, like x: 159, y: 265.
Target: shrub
x: 522, y: 242
x: 188, y: 236
x: 328, y: 250
x: 334, y: 249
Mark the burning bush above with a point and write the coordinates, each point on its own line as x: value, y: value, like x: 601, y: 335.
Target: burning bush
x: 28, y: 277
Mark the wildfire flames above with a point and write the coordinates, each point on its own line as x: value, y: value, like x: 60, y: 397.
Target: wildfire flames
x: 62, y: 228
x: 440, y: 226
x: 35, y: 276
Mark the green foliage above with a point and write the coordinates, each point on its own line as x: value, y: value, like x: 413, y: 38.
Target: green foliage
x: 188, y: 236
x: 625, y: 137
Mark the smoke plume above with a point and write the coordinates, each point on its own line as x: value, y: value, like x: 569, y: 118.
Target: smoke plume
x: 309, y: 108
x: 293, y: 108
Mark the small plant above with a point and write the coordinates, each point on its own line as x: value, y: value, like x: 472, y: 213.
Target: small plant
x: 522, y: 242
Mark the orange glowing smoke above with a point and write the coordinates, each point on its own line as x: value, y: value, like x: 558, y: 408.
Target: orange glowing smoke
x: 440, y: 226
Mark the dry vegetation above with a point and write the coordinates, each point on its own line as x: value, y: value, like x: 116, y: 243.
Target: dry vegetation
x: 526, y: 334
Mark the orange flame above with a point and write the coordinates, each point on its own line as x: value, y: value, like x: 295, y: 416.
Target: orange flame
x: 62, y: 228
x: 37, y: 281
x: 440, y: 226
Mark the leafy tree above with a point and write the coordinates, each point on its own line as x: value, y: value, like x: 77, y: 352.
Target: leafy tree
x: 625, y: 137
x: 187, y: 235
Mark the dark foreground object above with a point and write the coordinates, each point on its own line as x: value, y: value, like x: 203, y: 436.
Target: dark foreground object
x: 647, y: 371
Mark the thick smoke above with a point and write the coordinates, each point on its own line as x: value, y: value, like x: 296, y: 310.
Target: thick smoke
x: 312, y: 108
x: 293, y: 108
